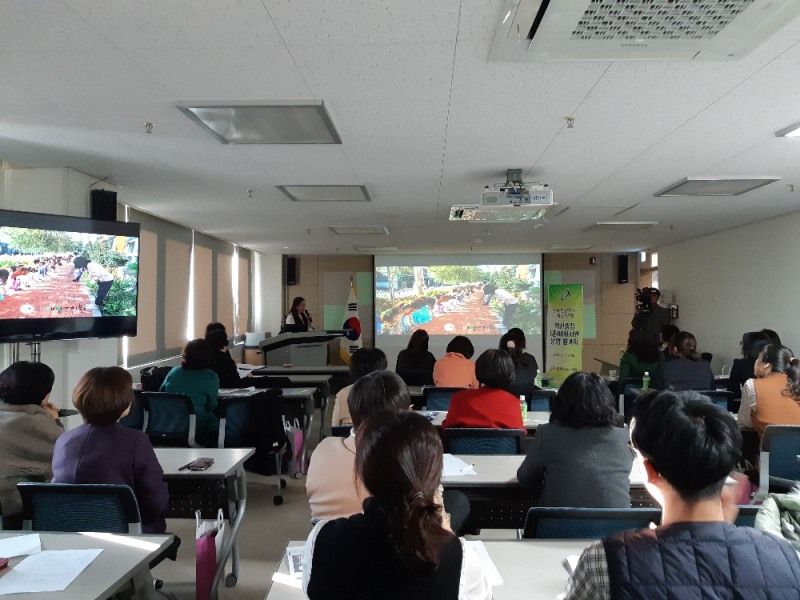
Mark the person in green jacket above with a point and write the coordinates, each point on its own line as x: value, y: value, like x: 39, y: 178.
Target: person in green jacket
x: 780, y: 516
x: 642, y: 355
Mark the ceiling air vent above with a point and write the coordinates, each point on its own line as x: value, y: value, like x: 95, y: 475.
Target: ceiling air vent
x: 533, y: 30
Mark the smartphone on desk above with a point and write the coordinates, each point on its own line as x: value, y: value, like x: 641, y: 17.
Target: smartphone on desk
x: 200, y: 464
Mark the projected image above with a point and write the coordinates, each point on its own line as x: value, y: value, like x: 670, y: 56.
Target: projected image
x: 60, y: 274
x: 457, y: 299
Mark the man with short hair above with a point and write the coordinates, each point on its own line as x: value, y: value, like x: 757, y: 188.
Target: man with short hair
x: 651, y: 317
x: 687, y: 446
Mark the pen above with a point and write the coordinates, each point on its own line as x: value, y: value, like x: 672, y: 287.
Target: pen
x: 186, y: 466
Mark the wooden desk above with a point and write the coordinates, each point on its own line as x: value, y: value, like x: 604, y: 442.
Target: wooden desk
x: 529, y: 568
x: 223, y: 485
x: 124, y: 561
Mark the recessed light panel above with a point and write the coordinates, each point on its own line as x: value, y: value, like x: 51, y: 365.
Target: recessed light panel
x: 623, y: 225
x: 375, y: 249
x: 570, y: 247
x: 716, y: 186
x: 360, y: 230
x: 326, y: 193
x: 792, y: 130
x: 267, y: 123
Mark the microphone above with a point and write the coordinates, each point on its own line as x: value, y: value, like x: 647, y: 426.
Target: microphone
x: 308, y: 316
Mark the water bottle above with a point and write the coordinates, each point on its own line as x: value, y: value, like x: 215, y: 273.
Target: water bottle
x: 523, y: 406
x: 646, y: 381
x: 538, y: 381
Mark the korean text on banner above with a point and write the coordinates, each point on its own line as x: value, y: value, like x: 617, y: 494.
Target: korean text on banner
x: 564, y: 330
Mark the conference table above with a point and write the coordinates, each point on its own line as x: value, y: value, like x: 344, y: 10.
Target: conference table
x: 498, y: 501
x: 533, y: 420
x: 223, y: 485
x: 529, y: 569
x: 123, y: 564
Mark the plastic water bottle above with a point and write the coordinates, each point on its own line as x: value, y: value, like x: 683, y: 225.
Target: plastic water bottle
x: 538, y: 381
x: 646, y: 381
x: 523, y: 406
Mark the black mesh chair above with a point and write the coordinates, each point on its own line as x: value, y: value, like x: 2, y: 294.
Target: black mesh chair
x: 779, y: 466
x: 585, y: 523
x: 170, y: 419
x: 627, y: 395
x: 747, y: 515
x: 540, y: 400
x: 137, y: 416
x: 483, y: 440
x: 247, y: 422
x: 438, y: 398
x: 79, y: 507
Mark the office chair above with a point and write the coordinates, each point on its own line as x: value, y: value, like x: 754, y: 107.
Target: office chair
x: 438, y: 398
x: 342, y: 431
x: 483, y: 440
x: 747, y: 515
x: 779, y: 466
x: 585, y: 523
x: 627, y: 395
x: 248, y: 422
x: 540, y: 400
x: 722, y: 398
x: 137, y: 416
x: 170, y: 419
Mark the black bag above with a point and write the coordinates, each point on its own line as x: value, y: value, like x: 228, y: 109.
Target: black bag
x: 153, y: 377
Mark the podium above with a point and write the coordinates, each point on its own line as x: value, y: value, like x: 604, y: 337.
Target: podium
x: 303, y: 349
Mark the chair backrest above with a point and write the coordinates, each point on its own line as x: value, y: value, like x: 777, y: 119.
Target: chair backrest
x: 416, y: 376
x: 171, y: 419
x: 540, y: 400
x: 438, y: 398
x: 79, y: 507
x: 627, y: 395
x: 484, y: 440
x: 342, y: 431
x: 780, y: 447
x: 250, y: 421
x: 747, y: 515
x: 585, y: 523
x: 721, y: 398
x: 137, y: 416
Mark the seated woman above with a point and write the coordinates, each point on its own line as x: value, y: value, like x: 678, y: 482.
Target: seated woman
x: 580, y: 458
x: 753, y: 343
x: 29, y: 428
x: 773, y: 397
x: 642, y: 356
x: 525, y: 366
x: 362, y: 362
x: 490, y: 405
x: 103, y: 451
x: 415, y: 363
x: 455, y: 369
x: 195, y: 379
x: 401, y: 546
x: 331, y: 483
x: 683, y: 370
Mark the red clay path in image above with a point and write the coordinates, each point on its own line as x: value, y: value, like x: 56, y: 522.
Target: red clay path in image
x: 471, y: 317
x: 58, y: 295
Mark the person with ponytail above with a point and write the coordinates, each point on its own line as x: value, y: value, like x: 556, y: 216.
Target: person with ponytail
x: 525, y: 366
x: 773, y: 397
x: 401, y: 546
x: 683, y: 370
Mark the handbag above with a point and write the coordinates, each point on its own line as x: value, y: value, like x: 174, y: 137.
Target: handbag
x: 209, y: 536
x: 295, y: 435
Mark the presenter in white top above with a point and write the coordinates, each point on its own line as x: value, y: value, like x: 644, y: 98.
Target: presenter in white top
x: 298, y: 315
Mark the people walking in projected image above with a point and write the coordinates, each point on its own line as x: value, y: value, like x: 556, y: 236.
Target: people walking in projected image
x: 104, y: 282
x: 506, y: 298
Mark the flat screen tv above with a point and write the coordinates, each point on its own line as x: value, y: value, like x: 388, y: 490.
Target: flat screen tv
x: 66, y: 277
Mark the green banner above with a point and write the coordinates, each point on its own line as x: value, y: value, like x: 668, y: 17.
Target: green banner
x: 564, y: 337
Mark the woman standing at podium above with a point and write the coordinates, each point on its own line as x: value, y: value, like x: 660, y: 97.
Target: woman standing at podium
x: 298, y: 315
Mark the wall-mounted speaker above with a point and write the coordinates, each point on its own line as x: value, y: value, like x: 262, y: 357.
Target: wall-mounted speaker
x: 291, y: 270
x: 103, y: 205
x: 622, y: 270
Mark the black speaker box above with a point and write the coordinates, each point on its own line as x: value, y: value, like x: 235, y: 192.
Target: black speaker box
x: 103, y: 205
x: 291, y: 271
x: 622, y: 271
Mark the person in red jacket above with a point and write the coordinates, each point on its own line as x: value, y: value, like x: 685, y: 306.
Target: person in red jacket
x: 490, y: 405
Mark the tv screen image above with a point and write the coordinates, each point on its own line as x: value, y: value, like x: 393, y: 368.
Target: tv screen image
x: 66, y: 277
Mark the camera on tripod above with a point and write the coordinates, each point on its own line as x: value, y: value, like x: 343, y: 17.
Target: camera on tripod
x: 643, y: 305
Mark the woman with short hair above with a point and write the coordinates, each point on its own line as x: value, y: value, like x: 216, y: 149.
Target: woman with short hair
x: 455, y: 369
x: 103, y: 451
x: 29, y: 428
x: 580, y: 458
x: 753, y: 342
x: 401, y: 546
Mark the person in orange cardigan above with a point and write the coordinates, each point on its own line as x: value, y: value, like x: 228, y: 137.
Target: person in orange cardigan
x: 773, y: 397
x: 490, y: 405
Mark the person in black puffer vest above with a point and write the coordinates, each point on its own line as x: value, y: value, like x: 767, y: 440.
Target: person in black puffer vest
x: 687, y: 446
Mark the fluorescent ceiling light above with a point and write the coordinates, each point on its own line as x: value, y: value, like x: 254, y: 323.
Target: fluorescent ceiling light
x: 623, y: 225
x: 325, y: 193
x: 375, y: 249
x: 790, y: 131
x: 570, y: 247
x: 716, y: 186
x: 360, y: 230
x: 297, y: 122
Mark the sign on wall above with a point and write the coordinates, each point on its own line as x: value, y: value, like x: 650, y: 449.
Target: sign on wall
x: 564, y: 334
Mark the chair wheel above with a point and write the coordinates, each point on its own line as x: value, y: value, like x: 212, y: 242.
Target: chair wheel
x: 277, y: 500
x: 158, y: 584
x: 283, y: 483
x: 230, y: 580
x: 298, y: 475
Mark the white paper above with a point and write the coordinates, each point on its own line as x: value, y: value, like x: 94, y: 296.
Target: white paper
x: 489, y: 568
x: 236, y: 392
x: 47, y: 571
x: 20, y: 545
x: 455, y: 467
x: 294, y: 557
x: 570, y: 563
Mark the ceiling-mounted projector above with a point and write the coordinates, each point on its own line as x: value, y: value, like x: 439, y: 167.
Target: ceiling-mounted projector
x: 510, y: 202
x: 517, y: 196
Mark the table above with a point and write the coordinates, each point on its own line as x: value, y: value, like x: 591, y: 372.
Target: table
x: 124, y: 561
x: 531, y: 423
x: 498, y: 501
x: 223, y: 485
x: 529, y: 568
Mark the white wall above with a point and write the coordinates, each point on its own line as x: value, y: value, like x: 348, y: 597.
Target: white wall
x: 62, y: 192
x: 743, y: 279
